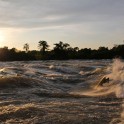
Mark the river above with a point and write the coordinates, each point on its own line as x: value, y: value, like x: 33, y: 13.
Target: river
x: 61, y: 92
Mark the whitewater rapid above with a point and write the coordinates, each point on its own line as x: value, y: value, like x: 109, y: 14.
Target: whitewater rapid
x: 53, y: 92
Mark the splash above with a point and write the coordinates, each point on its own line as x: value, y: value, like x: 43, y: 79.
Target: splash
x: 115, y: 73
x: 117, y: 77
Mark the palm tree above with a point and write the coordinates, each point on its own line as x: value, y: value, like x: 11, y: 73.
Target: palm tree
x: 26, y: 47
x: 61, y: 46
x: 76, y: 49
x: 43, y: 46
x: 66, y: 46
x: 61, y: 50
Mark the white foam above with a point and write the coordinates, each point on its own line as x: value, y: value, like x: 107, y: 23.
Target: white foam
x: 120, y: 91
x: 117, y: 76
x: 117, y: 73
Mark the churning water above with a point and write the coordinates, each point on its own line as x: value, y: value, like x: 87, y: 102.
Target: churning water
x: 61, y: 92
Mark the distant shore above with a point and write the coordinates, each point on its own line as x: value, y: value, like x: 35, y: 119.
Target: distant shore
x: 61, y: 51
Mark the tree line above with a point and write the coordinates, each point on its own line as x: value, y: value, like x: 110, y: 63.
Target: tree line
x: 60, y: 51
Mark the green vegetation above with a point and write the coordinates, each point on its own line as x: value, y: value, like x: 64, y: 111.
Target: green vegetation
x: 60, y: 51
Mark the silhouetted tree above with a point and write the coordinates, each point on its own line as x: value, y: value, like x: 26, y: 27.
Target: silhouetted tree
x: 84, y: 53
x: 103, y: 53
x: 26, y: 47
x: 61, y: 50
x: 43, y: 46
x: 76, y: 49
x: 61, y: 46
x: 118, y: 51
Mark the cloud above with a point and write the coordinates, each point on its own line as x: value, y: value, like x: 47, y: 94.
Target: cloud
x: 50, y: 13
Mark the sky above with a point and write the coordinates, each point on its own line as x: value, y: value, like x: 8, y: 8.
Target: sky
x: 81, y: 23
